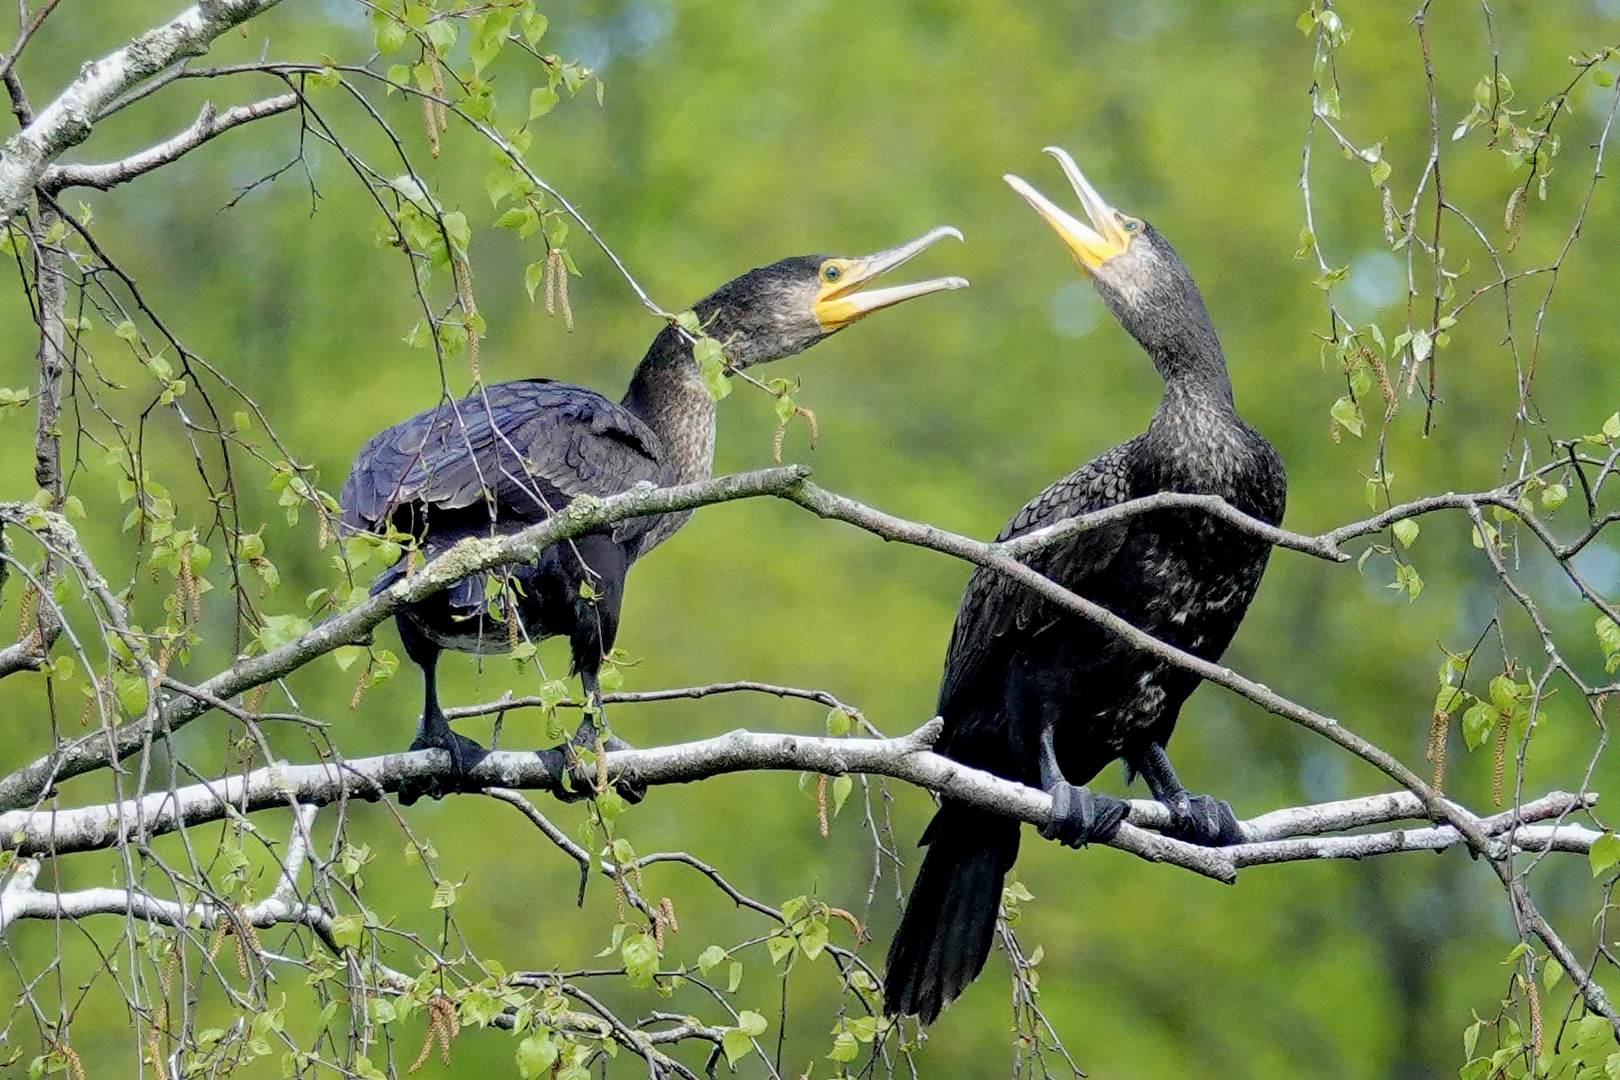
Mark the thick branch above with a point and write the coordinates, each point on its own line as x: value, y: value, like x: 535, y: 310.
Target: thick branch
x: 1276, y: 837
x: 51, y: 288
x: 828, y: 505
x: 19, y: 899
x: 67, y: 121
x: 25, y: 785
x: 207, y: 125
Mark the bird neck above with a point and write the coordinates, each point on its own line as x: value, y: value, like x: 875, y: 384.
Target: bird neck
x: 668, y: 395
x: 1199, y: 440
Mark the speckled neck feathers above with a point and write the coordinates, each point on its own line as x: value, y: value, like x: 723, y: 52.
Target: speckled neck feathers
x: 668, y: 395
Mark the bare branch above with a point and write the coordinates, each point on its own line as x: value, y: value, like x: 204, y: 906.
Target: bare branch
x: 98, y: 749
x: 37, y: 833
x: 207, y: 125
x: 67, y: 121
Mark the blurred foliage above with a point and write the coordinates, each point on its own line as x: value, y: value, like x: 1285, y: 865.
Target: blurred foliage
x: 731, y: 134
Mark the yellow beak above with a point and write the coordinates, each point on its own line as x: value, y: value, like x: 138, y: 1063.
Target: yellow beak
x: 839, y: 303
x: 1092, y: 244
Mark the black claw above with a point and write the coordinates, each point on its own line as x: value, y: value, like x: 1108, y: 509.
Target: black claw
x: 571, y: 784
x: 465, y: 754
x: 1203, y: 820
x: 1081, y: 816
x: 575, y: 780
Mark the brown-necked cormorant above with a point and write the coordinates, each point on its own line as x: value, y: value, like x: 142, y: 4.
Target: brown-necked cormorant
x: 1047, y: 698
x: 509, y: 455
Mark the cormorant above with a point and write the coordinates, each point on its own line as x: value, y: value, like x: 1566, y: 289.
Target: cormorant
x: 509, y: 455
x: 1046, y: 698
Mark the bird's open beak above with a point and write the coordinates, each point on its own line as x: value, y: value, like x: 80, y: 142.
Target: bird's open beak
x: 1092, y: 245
x: 839, y: 303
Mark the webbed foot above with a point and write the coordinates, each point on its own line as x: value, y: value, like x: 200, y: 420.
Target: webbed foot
x: 1203, y: 820
x: 1081, y: 816
x: 464, y: 753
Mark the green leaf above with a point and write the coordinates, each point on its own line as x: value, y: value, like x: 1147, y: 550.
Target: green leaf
x: 1471, y: 1037
x: 444, y: 895
x: 1611, y: 427
x: 1608, y: 635
x: 1406, y: 531
x: 391, y: 34
x: 541, y: 101
x: 736, y: 1045
x: 488, y: 35
x: 1348, y: 414
x: 734, y: 974
x: 640, y: 954
x: 130, y: 690
x: 533, y: 276
x: 1332, y: 277
x: 1477, y: 722
x: 711, y: 958
x: 1380, y: 171
x: 278, y: 630
x: 535, y: 1056
x: 346, y: 930
x: 844, y: 1047
x: 460, y: 233
x: 442, y: 33
x: 841, y: 787
x: 1422, y: 346
x: 1553, y: 496
x: 780, y: 946
x: 1605, y: 854
x: 1519, y: 950
x: 813, y: 939
x: 711, y: 362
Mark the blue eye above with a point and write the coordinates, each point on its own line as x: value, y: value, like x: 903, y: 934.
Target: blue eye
x: 1131, y: 225
x: 830, y: 274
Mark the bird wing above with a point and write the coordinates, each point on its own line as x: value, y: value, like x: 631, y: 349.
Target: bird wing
x: 524, y: 447
x: 995, y: 607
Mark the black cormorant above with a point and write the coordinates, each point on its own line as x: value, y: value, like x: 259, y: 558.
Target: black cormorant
x: 509, y: 455
x: 1045, y: 697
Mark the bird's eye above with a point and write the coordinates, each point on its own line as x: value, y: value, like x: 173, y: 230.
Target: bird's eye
x: 830, y: 273
x: 1131, y: 225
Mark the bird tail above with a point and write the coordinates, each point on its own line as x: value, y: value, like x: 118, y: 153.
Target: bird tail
x: 950, y: 919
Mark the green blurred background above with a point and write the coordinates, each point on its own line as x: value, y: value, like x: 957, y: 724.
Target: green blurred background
x: 735, y: 133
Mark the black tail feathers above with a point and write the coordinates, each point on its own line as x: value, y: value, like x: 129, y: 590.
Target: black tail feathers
x: 950, y: 919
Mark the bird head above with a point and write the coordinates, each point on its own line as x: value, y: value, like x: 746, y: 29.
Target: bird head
x: 1134, y: 269
x: 788, y: 306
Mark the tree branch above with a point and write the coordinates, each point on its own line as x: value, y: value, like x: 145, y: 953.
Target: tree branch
x: 100, y: 748
x: 207, y: 125
x: 68, y: 120
x: 1281, y: 836
x: 828, y: 505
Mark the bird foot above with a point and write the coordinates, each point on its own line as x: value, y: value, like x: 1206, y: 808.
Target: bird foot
x: 464, y: 755
x: 1203, y: 820
x: 1081, y: 816
x: 576, y: 780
